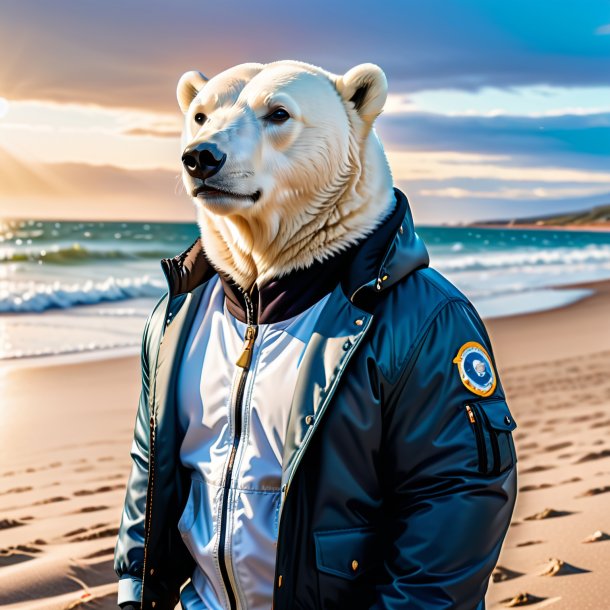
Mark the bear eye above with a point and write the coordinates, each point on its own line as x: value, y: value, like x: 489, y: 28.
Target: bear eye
x: 200, y: 118
x: 278, y: 116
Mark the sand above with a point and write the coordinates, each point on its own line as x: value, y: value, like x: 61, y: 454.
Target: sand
x: 64, y: 460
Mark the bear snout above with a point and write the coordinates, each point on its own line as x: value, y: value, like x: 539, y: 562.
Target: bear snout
x: 203, y: 160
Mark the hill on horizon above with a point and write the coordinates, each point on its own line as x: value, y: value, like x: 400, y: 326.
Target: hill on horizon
x: 598, y: 216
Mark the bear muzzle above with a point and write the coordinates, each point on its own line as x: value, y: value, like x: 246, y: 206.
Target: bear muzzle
x: 203, y: 160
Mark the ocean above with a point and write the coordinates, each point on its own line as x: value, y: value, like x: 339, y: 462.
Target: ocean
x: 85, y: 288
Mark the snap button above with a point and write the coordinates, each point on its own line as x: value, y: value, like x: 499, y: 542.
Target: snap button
x: 359, y: 322
x: 279, y: 581
x: 401, y: 230
x: 153, y: 604
x: 507, y: 420
x: 354, y: 565
x: 309, y: 420
x: 152, y: 571
x: 347, y: 345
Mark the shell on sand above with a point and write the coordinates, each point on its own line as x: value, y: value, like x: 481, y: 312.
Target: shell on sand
x: 548, y: 513
x: 522, y: 599
x: 558, y: 567
x: 597, y: 536
x: 501, y: 574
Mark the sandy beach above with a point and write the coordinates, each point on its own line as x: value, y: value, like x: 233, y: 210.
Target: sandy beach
x: 64, y: 461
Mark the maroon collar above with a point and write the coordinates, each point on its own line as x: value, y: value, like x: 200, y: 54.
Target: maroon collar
x: 290, y: 295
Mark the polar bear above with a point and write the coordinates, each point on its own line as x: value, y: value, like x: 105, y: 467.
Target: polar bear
x: 303, y: 431
x: 283, y: 163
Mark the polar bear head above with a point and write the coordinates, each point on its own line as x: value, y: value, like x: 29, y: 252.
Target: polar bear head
x: 283, y: 163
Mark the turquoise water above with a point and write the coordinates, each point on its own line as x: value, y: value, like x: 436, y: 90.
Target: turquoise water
x: 51, y: 270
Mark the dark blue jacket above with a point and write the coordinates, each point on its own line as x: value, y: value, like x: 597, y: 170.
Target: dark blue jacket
x: 399, y: 475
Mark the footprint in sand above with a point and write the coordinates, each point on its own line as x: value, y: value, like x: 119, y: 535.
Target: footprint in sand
x: 17, y: 554
x: 535, y: 487
x: 16, y: 490
x: 595, y: 491
x: 109, y: 532
x: 540, y: 468
x: 522, y: 599
x: 572, y: 480
x: 6, y: 524
x: 100, y: 553
x: 594, y: 455
x: 558, y: 446
x: 530, y: 543
x: 500, y: 574
x: 99, y: 490
x: 89, y: 509
x: 51, y: 500
x: 558, y: 567
x: 600, y: 424
x: 548, y: 513
x: 597, y: 536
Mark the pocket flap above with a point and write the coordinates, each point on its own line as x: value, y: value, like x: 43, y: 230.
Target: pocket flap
x: 498, y: 414
x: 346, y: 553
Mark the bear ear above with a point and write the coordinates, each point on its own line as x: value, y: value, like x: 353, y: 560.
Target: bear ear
x: 366, y: 87
x: 189, y: 85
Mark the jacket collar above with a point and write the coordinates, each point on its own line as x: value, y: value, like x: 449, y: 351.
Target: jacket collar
x: 372, y: 265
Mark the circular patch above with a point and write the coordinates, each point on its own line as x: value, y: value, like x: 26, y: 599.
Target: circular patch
x: 476, y: 370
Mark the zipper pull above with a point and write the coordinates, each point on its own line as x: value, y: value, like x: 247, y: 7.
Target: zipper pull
x: 470, y: 414
x: 246, y: 356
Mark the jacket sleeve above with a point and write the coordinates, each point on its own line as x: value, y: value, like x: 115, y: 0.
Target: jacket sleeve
x: 450, y: 484
x: 129, y: 549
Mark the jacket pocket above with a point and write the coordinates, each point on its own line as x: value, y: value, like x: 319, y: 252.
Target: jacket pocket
x: 493, y: 424
x: 347, y: 553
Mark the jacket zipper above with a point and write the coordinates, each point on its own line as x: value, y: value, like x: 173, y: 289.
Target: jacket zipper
x: 479, y: 436
x: 493, y: 439
x: 151, y: 457
x: 243, y: 362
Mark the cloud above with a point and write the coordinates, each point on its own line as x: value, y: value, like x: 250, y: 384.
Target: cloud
x: 512, y: 193
x: 74, y: 190
x: 149, y: 132
x: 534, y: 101
x: 131, y: 54
x: 564, y: 141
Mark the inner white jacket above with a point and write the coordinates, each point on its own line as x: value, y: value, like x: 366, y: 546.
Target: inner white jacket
x: 207, y: 412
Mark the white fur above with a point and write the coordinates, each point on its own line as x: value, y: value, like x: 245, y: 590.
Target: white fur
x: 324, y: 179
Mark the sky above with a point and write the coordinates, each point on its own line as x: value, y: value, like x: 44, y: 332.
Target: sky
x: 496, y: 109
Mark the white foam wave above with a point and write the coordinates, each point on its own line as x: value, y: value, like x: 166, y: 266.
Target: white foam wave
x: 20, y: 297
x: 522, y: 258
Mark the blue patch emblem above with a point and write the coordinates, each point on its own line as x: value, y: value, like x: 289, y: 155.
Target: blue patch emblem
x: 476, y: 370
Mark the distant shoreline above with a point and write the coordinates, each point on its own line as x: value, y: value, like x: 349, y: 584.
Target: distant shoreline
x: 584, y: 228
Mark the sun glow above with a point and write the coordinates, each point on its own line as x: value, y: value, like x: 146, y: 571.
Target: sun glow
x: 3, y: 107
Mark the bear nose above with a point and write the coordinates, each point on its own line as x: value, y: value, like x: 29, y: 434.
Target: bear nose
x: 203, y: 160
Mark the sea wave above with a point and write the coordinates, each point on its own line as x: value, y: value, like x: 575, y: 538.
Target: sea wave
x: 22, y: 297
x: 522, y: 258
x: 76, y: 253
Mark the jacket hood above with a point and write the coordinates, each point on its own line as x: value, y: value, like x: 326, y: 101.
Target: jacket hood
x: 390, y: 253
